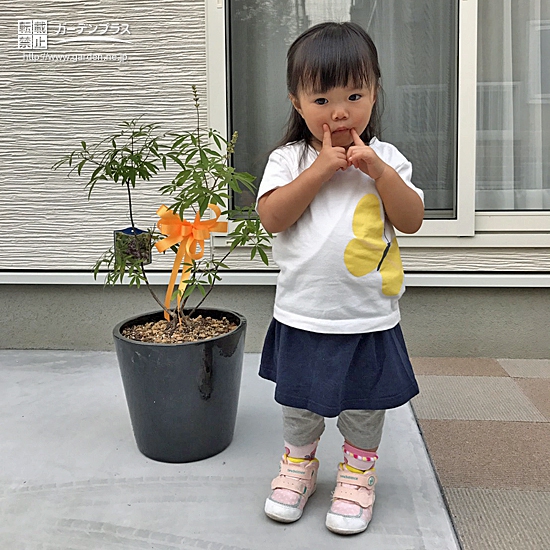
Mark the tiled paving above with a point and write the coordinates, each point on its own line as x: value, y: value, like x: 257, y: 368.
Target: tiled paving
x: 523, y: 368
x: 474, y: 453
x: 486, y: 424
x: 500, y: 519
x: 474, y: 398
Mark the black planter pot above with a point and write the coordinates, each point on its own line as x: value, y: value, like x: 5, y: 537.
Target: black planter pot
x: 182, y: 398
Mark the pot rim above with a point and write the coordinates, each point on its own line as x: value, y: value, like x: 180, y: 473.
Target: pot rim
x: 118, y: 334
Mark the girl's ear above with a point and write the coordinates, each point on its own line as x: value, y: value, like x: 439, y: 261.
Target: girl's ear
x: 295, y: 103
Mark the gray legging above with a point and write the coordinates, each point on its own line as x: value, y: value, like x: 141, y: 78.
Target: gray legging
x: 361, y: 428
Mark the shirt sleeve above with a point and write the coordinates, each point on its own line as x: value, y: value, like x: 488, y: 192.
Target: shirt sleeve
x: 404, y: 169
x: 277, y: 173
x: 391, y: 155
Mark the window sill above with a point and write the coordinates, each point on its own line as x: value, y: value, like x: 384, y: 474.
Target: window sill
x: 269, y: 278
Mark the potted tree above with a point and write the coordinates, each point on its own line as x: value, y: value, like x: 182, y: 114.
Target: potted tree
x: 180, y: 366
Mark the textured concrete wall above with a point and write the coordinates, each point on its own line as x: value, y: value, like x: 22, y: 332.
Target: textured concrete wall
x: 463, y: 322
x: 52, y: 99
x: 83, y: 317
x: 477, y: 322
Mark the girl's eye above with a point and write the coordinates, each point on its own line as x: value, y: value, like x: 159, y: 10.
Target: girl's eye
x: 321, y: 101
x: 355, y: 97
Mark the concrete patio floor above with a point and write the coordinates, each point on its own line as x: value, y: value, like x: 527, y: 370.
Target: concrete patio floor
x: 71, y: 476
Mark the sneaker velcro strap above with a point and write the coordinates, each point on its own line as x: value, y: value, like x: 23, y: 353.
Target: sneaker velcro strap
x: 295, y: 470
x: 292, y: 476
x: 358, y: 496
x: 367, y: 480
x: 293, y: 484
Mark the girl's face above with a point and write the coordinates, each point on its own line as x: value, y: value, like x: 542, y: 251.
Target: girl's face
x: 342, y: 108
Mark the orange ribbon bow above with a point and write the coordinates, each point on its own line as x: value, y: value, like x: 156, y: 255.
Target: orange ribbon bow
x: 191, y: 237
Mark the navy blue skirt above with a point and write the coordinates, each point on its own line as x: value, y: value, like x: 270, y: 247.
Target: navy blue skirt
x: 330, y: 373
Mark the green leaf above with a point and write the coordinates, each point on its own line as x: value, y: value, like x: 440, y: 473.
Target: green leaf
x: 263, y: 255
x: 216, y: 138
x: 190, y: 156
x: 234, y: 185
x: 189, y: 289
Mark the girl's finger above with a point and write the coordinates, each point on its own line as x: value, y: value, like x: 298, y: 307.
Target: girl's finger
x: 327, y: 136
x: 356, y: 139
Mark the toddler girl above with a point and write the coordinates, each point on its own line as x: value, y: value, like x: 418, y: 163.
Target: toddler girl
x: 334, y: 194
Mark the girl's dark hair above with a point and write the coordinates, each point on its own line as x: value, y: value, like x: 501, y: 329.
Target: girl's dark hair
x: 324, y: 57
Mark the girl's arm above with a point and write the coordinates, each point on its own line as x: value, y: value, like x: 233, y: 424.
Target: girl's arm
x: 283, y: 206
x: 402, y: 204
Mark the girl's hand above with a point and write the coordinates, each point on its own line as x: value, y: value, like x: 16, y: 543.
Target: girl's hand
x: 330, y: 159
x: 403, y: 206
x: 364, y: 158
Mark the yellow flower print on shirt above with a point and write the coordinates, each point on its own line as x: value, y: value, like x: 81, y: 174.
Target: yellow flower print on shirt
x: 369, y: 251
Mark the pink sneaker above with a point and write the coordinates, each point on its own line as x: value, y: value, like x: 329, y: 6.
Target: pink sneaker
x: 291, y: 489
x: 352, y: 502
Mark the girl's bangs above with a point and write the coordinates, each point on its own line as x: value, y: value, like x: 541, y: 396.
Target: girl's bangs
x: 336, y: 65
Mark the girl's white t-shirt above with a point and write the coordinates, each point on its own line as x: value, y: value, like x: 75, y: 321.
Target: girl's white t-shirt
x: 340, y: 269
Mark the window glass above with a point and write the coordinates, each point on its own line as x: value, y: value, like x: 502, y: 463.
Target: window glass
x: 513, y: 105
x: 416, y: 41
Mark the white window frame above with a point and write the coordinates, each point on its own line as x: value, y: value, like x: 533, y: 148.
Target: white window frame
x: 469, y: 228
x: 216, y: 66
